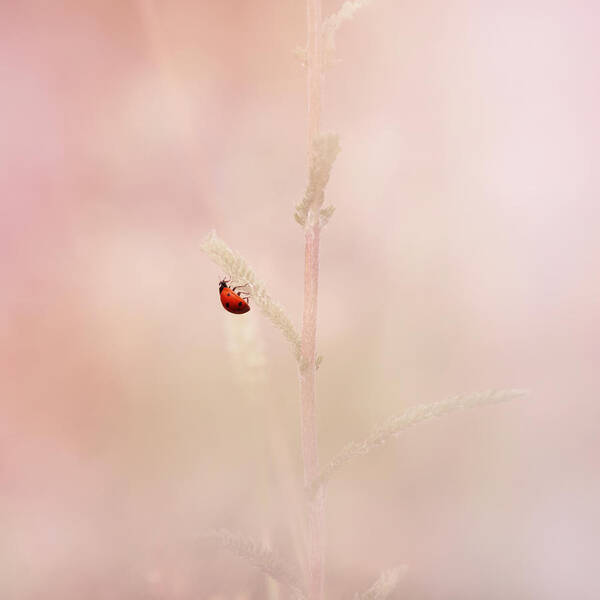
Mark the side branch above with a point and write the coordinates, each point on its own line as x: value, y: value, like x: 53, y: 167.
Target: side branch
x: 324, y: 151
x: 397, y: 424
x: 333, y: 22
x: 237, y: 268
x: 346, y: 12
x: 261, y: 557
x: 384, y: 586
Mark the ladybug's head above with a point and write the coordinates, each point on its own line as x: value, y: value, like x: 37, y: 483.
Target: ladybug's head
x: 222, y: 284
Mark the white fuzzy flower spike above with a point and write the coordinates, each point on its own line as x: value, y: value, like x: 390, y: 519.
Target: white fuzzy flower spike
x: 237, y: 268
x: 333, y: 22
x: 262, y: 557
x: 413, y: 415
x: 384, y: 586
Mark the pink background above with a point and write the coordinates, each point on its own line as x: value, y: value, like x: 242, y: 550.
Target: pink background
x: 464, y: 255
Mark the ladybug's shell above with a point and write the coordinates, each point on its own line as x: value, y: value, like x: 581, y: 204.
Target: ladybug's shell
x: 233, y: 303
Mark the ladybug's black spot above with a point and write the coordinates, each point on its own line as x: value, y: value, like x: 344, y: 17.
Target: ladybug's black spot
x: 228, y: 294
x: 226, y: 303
x: 239, y: 303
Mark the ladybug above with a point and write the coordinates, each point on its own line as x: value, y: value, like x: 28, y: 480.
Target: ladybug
x: 232, y: 302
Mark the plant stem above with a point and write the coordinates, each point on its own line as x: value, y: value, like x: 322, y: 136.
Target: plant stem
x: 315, y: 504
x: 314, y: 62
x: 310, y: 451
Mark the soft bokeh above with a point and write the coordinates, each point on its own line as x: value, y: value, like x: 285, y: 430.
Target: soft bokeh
x: 464, y: 255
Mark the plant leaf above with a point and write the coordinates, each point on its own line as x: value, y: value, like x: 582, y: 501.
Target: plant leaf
x: 324, y: 151
x: 411, y: 416
x: 384, y: 585
x: 261, y: 557
x: 237, y: 268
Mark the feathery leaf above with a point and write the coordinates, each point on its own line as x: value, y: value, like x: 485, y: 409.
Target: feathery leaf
x: 238, y: 269
x: 326, y: 214
x: 324, y: 151
x: 261, y: 557
x: 332, y: 23
x: 384, y: 585
x: 411, y: 416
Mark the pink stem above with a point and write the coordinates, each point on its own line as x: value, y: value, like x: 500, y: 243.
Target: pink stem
x: 310, y: 450
x: 310, y: 455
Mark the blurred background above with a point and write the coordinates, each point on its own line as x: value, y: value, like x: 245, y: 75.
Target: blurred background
x: 464, y: 253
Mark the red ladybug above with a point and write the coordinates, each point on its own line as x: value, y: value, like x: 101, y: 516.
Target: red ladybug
x: 231, y: 301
